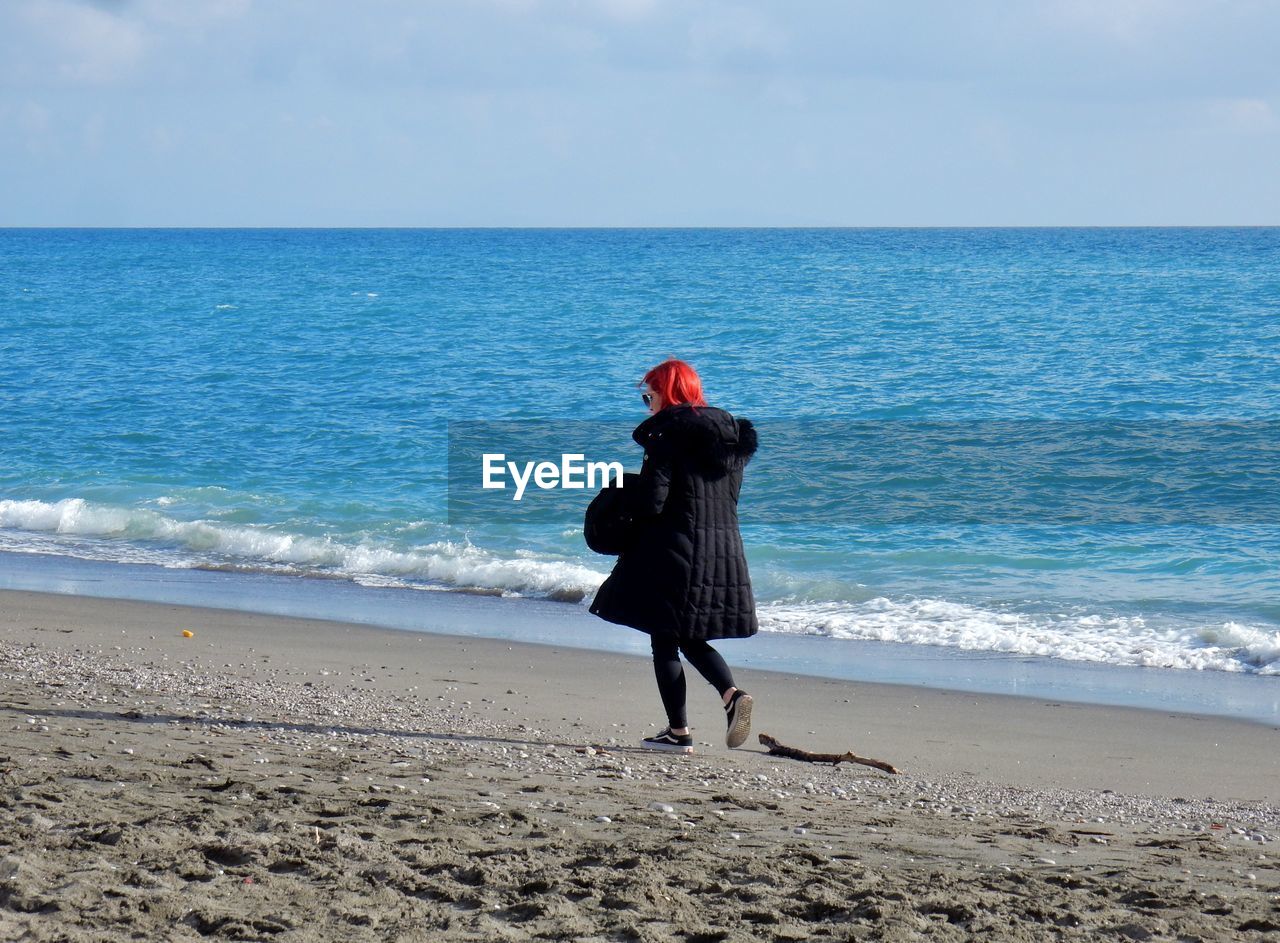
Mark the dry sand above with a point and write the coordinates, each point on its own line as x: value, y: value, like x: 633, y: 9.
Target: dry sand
x: 279, y: 779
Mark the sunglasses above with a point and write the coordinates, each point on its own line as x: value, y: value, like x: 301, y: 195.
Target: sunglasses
x: 647, y: 397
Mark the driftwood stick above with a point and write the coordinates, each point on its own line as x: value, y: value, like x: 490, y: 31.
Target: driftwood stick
x: 792, y: 753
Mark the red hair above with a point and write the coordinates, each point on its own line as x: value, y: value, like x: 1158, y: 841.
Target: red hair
x: 676, y: 382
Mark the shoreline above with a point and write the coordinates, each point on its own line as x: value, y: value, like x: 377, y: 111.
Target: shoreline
x: 1225, y: 694
x: 305, y: 780
x: 1024, y: 740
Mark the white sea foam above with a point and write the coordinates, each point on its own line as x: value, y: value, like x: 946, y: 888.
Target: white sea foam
x: 455, y: 563
x: 1111, y: 639
x: 1257, y: 647
x: 107, y: 532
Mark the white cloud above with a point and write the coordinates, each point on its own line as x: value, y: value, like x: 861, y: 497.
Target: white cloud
x: 1126, y: 20
x: 735, y: 37
x: 533, y: 110
x: 626, y: 10
x: 186, y: 14
x: 1243, y: 115
x: 89, y: 44
x: 33, y: 119
x: 515, y: 6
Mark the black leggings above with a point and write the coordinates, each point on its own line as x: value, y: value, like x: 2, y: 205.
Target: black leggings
x: 670, y: 673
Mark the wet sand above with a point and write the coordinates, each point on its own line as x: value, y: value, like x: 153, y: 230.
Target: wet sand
x: 285, y: 779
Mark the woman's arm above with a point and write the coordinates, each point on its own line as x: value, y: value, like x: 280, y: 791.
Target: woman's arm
x: 650, y: 493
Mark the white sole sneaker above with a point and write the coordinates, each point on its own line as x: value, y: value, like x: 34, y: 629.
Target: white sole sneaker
x: 666, y: 740
x: 668, y: 747
x: 739, y: 714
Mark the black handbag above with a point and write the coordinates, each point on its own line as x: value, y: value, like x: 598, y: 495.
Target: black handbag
x: 609, y: 526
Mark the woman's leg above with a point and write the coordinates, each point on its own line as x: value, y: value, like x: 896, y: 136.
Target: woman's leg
x: 737, y: 703
x: 670, y: 674
x: 710, y: 665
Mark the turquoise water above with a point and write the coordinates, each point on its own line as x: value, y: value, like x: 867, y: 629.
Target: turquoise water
x: 1058, y: 443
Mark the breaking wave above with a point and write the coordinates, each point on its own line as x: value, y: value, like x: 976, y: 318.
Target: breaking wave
x: 447, y: 564
x: 93, y: 530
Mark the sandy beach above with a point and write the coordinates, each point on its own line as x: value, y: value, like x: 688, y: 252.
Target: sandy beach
x: 283, y: 779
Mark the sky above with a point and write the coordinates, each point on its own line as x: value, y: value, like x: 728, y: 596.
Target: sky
x: 639, y: 112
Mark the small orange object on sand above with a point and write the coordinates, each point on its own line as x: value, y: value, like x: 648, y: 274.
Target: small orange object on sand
x: 187, y: 633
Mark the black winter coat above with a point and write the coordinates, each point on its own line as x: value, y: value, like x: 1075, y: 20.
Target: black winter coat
x: 685, y: 574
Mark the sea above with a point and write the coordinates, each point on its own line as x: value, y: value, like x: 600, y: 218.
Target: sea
x: 1037, y: 461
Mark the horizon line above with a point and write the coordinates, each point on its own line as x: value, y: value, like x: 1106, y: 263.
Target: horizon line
x: 949, y: 226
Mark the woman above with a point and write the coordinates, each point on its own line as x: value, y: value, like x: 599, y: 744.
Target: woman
x: 684, y: 577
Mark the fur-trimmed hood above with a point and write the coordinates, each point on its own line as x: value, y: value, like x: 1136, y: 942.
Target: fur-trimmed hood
x: 707, y: 437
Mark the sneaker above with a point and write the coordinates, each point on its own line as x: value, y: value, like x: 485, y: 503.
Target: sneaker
x: 738, y: 712
x: 666, y: 740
